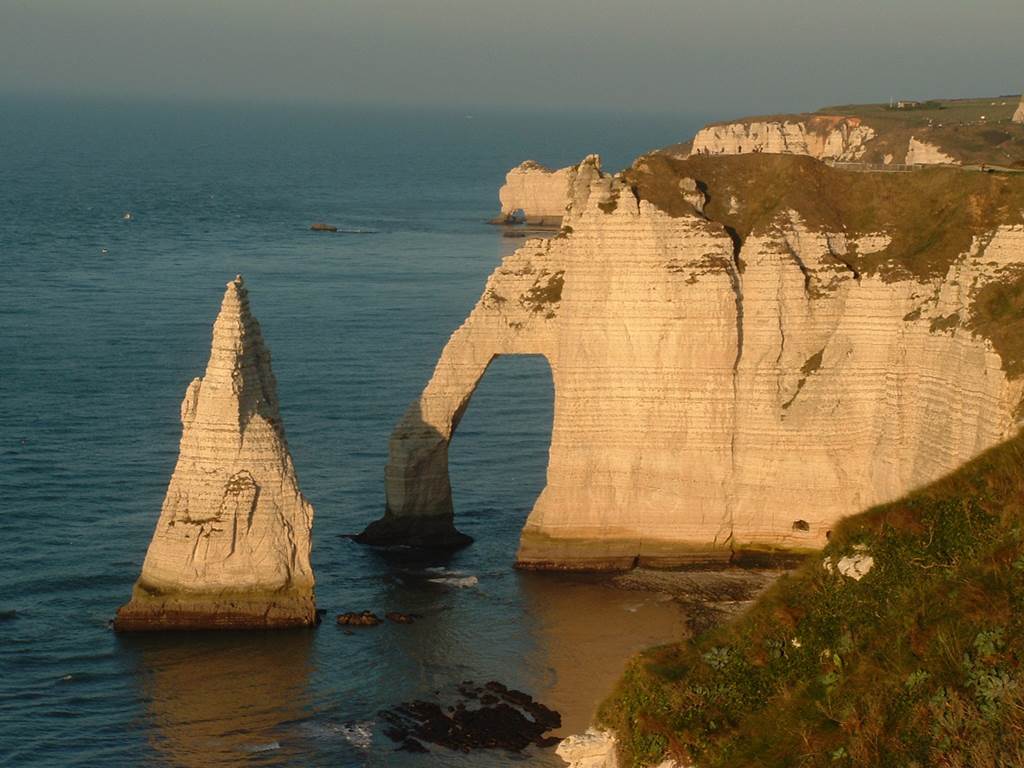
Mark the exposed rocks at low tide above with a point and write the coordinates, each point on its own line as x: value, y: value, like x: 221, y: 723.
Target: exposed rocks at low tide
x: 707, y: 597
x: 491, y: 716
x: 358, y: 619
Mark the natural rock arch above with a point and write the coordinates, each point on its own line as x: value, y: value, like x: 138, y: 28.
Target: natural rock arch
x: 717, y: 395
x: 419, y: 509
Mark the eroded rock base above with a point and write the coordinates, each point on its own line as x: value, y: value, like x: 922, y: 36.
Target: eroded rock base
x: 148, y: 613
x: 540, y: 552
x: 416, y: 532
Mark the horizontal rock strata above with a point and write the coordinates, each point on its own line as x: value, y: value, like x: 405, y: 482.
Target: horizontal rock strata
x: 822, y: 137
x: 842, y: 139
x: 231, y: 547
x: 734, y: 382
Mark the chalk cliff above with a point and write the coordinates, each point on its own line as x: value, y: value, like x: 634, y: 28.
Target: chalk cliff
x: 1018, y: 116
x: 820, y: 136
x: 942, y: 132
x: 539, y: 192
x: 815, y: 342
x: 231, y: 547
x: 923, y: 153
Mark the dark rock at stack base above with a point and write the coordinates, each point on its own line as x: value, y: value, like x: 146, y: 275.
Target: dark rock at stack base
x: 397, y: 617
x: 321, y: 227
x: 436, y: 532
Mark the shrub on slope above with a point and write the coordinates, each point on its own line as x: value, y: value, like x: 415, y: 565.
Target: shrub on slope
x: 915, y: 664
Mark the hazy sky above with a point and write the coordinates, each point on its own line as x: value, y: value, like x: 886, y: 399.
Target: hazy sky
x: 710, y: 57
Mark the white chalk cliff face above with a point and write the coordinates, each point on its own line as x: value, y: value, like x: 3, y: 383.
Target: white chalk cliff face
x: 539, y: 192
x: 822, y: 137
x: 923, y: 153
x: 844, y: 139
x: 1018, y: 116
x: 713, y: 397
x: 231, y: 547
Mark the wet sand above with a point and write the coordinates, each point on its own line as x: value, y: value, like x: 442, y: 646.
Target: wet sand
x: 588, y: 627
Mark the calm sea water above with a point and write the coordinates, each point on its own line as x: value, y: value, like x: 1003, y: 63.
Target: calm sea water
x: 103, y: 322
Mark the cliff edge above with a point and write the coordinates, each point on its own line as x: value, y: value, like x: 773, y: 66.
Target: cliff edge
x: 937, y: 132
x: 745, y: 349
x: 231, y: 547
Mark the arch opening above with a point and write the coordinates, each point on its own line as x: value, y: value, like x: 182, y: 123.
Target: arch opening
x: 419, y: 511
x: 499, y: 449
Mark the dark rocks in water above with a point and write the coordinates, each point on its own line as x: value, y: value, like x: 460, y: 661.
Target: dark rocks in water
x: 437, y: 532
x: 513, y: 233
x: 411, y: 745
x: 489, y: 717
x: 8, y: 615
x: 401, y: 618
x: 321, y: 227
x: 360, y: 619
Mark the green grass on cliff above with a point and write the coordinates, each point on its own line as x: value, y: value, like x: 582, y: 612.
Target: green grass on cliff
x: 971, y: 130
x: 916, y: 664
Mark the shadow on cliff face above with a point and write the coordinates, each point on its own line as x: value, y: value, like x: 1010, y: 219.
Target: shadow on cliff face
x: 418, y: 512
x: 222, y: 698
x: 502, y: 441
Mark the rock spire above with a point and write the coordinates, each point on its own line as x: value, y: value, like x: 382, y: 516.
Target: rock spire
x: 231, y: 548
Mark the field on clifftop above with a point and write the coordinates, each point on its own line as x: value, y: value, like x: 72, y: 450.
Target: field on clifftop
x: 918, y: 663
x: 968, y: 131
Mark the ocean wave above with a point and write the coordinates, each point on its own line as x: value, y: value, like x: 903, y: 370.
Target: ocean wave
x: 269, y: 747
x: 358, y: 734
x: 457, y: 581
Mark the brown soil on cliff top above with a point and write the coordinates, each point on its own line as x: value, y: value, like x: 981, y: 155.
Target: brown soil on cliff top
x: 933, y: 216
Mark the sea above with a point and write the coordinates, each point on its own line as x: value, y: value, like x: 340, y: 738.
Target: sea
x: 104, y: 320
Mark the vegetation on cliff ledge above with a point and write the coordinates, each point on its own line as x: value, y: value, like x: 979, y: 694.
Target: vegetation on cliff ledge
x: 933, y: 217
x: 916, y: 664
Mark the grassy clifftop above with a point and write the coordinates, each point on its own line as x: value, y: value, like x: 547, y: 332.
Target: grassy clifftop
x: 916, y: 664
x: 933, y: 216
x: 969, y: 130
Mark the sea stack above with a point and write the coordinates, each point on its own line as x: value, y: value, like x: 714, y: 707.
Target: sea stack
x: 231, y: 548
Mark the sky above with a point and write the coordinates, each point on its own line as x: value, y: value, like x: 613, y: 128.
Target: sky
x: 707, y: 57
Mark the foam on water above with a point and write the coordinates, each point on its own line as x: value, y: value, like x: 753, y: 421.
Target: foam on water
x: 457, y: 581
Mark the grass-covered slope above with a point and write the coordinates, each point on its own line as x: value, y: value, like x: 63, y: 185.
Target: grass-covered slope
x: 916, y: 664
